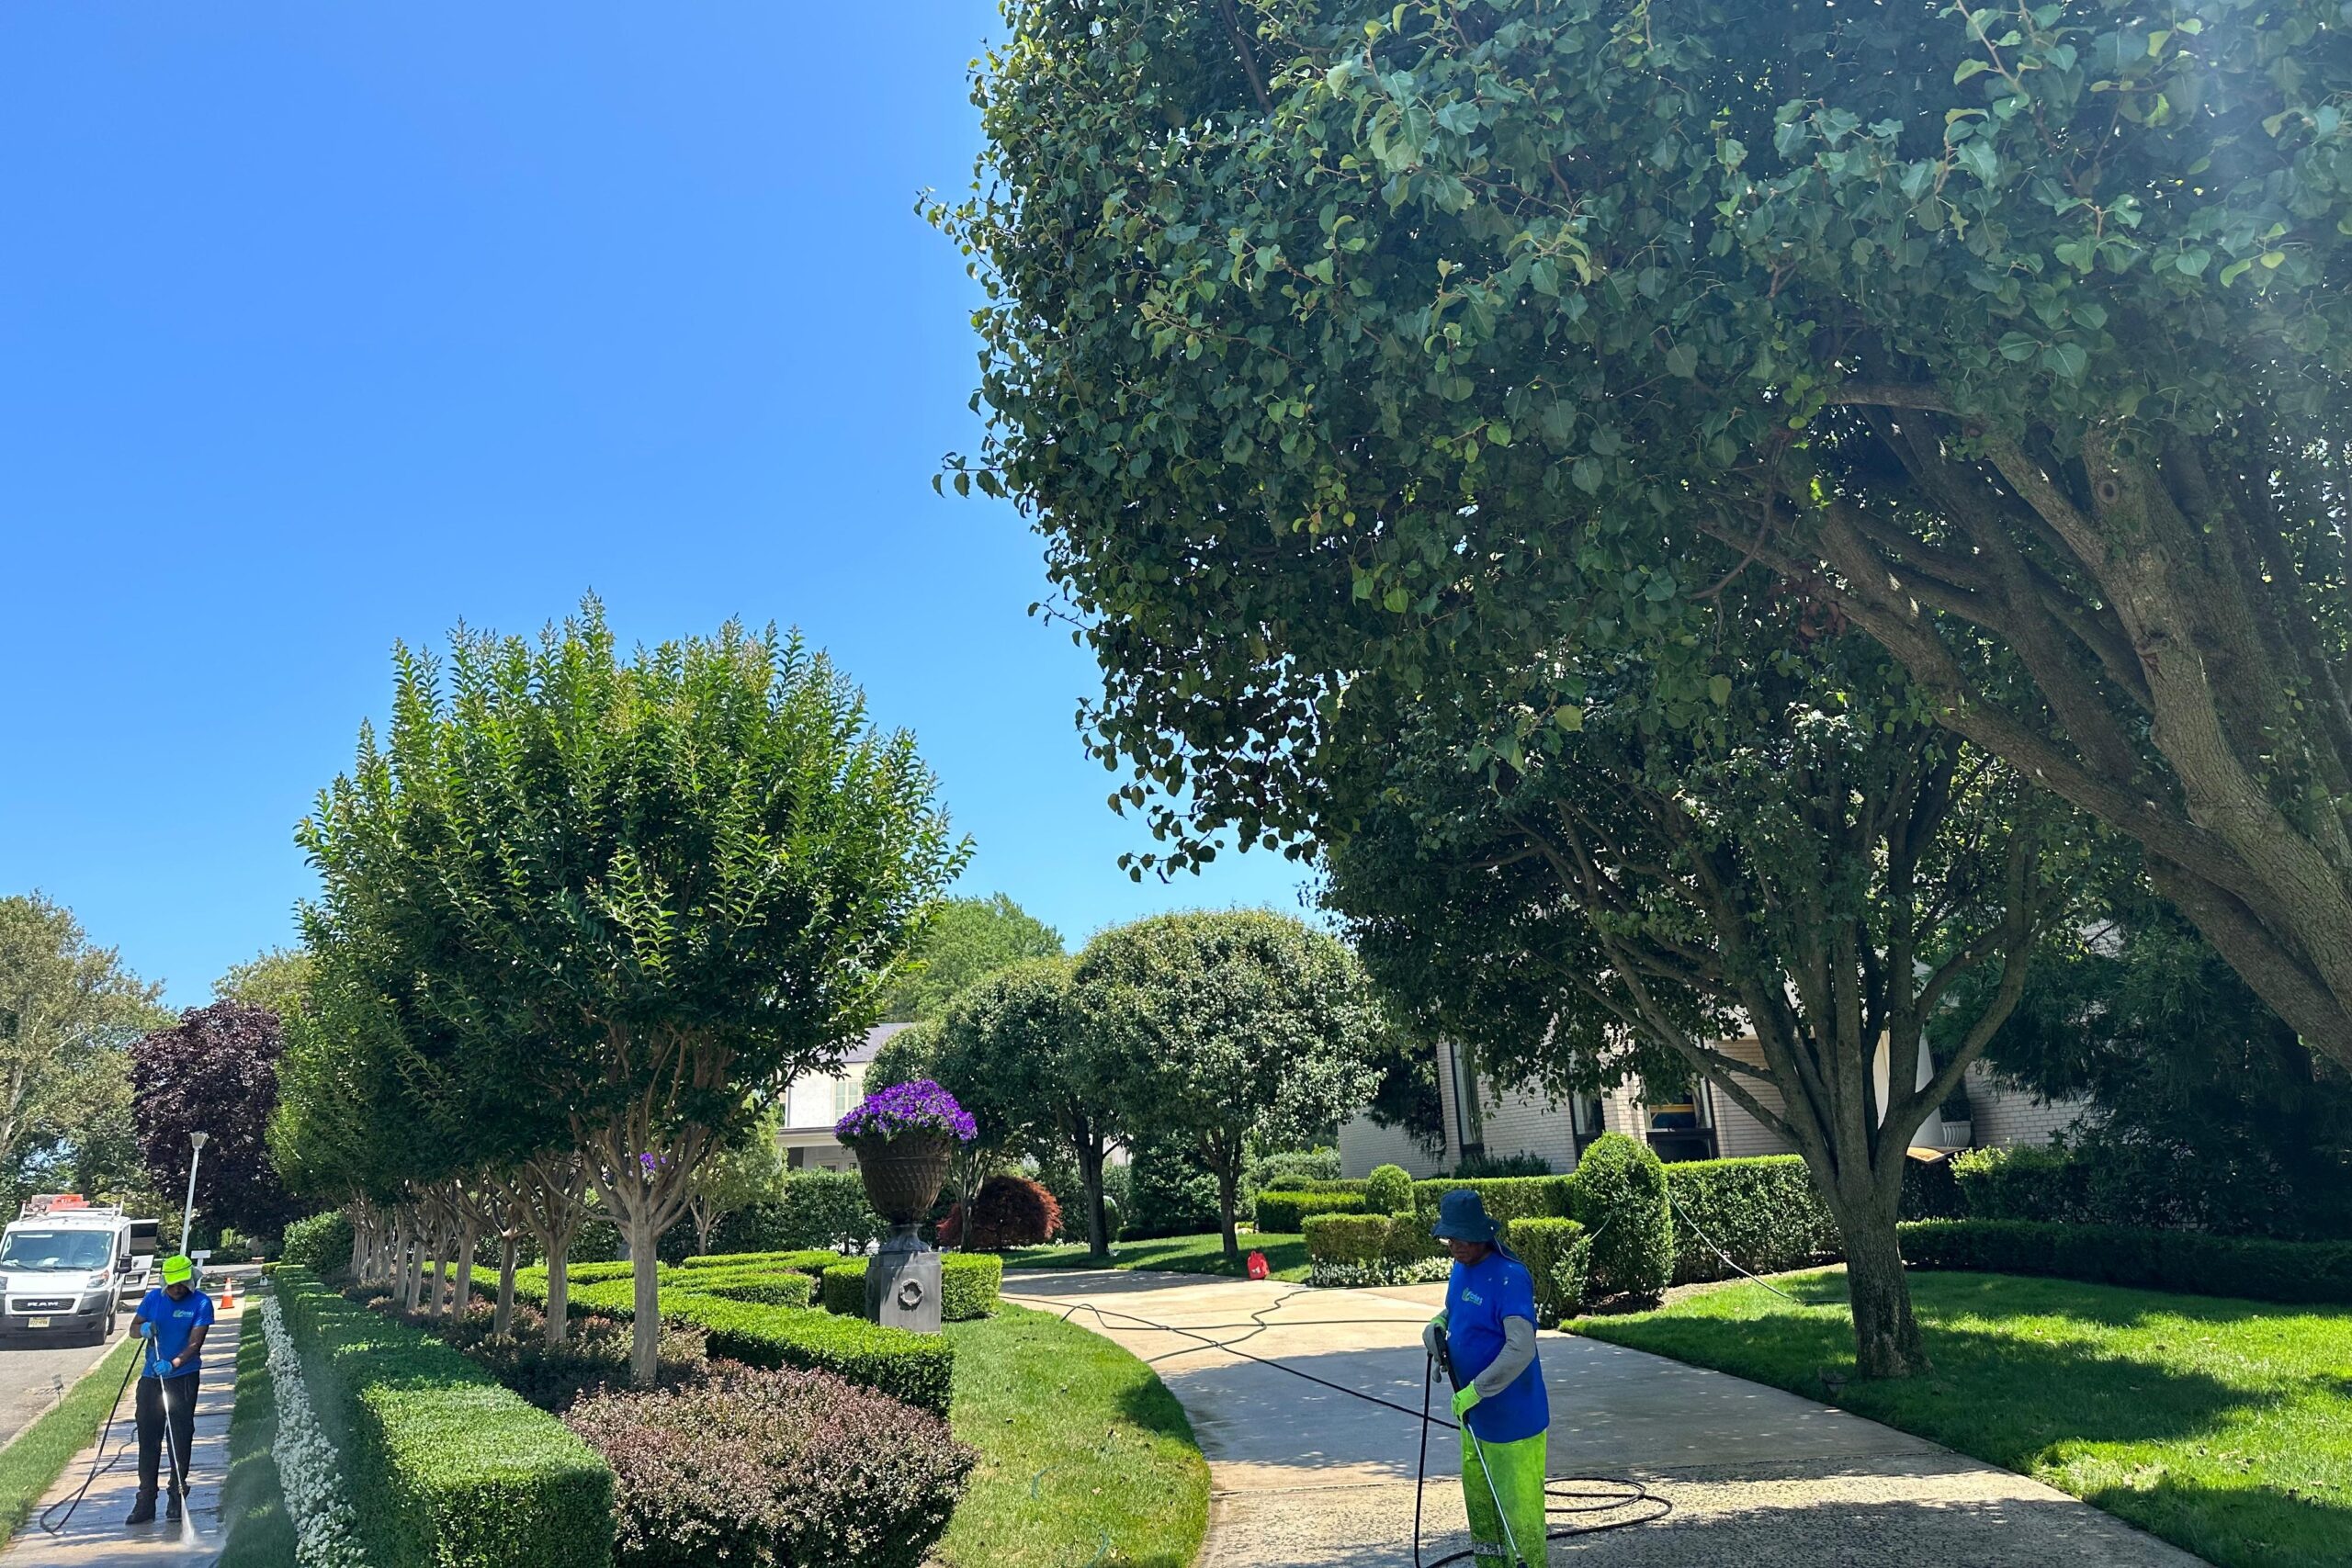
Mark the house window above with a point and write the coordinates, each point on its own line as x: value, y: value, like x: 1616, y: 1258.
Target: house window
x: 1682, y: 1129
x: 1585, y: 1118
x: 796, y: 1159
x: 840, y: 1097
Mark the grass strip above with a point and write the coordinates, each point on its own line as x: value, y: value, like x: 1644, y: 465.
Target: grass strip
x: 39, y: 1454
x: 256, y: 1529
x: 1285, y: 1255
x: 1085, y: 1456
x: 2218, y: 1425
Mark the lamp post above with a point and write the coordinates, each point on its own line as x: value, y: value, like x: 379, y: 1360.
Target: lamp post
x: 188, y: 1215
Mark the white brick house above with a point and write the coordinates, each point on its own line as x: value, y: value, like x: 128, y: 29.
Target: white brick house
x: 814, y: 1103
x: 1498, y: 1124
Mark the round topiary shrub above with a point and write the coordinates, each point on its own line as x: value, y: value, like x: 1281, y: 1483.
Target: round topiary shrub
x: 321, y: 1244
x: 1619, y: 1194
x: 1011, y: 1211
x: 1389, y: 1191
x: 800, y: 1469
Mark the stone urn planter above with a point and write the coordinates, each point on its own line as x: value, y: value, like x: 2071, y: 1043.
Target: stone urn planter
x: 905, y: 1137
x: 903, y: 1175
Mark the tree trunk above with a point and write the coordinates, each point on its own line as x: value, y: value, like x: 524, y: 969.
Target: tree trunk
x: 1098, y: 1221
x: 1228, y: 1198
x: 432, y: 1276
x: 469, y: 1238
x: 503, y: 1321
x: 706, y: 1219
x: 1886, y: 1336
x: 645, y: 1352
x: 558, y: 1324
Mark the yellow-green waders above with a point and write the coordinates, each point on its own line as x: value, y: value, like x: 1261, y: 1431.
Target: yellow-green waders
x: 1518, y: 1471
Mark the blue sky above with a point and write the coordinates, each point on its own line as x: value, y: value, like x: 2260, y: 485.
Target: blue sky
x: 322, y: 326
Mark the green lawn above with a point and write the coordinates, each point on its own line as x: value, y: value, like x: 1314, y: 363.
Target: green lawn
x: 39, y: 1453
x: 2225, y: 1426
x: 1085, y: 1456
x: 252, y: 1509
x: 1285, y: 1255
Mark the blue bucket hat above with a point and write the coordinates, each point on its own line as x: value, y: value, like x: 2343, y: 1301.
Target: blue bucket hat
x: 1462, y: 1216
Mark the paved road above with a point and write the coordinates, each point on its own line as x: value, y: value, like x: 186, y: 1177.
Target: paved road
x: 1305, y: 1477
x: 33, y: 1375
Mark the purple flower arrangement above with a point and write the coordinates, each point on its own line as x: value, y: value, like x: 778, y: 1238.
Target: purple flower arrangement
x: 918, y: 1107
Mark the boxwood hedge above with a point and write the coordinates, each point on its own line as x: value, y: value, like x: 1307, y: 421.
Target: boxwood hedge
x: 968, y: 1284
x: 444, y: 1466
x: 1286, y: 1212
x: 811, y: 1261
x: 2195, y: 1262
x: 1560, y: 1256
x: 1765, y: 1212
x: 916, y: 1368
x: 1507, y: 1198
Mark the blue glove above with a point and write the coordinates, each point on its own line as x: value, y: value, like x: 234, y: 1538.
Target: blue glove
x: 146, y: 1331
x: 1464, y: 1397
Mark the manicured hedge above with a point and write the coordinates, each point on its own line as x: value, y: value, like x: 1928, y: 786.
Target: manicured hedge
x: 1621, y: 1196
x: 1388, y: 1191
x: 769, y: 1289
x: 811, y: 1261
x: 968, y: 1283
x: 1355, y: 1184
x: 321, y: 1244
x: 2195, y: 1262
x: 445, y: 1468
x: 1545, y: 1246
x: 916, y: 1368
x: 1507, y: 1198
x: 1765, y: 1213
x: 1284, y: 1213
x: 1372, y: 1249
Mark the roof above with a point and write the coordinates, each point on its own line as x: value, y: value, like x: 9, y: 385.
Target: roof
x: 864, y: 1051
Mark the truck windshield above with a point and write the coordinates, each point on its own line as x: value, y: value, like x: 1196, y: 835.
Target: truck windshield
x: 23, y: 1248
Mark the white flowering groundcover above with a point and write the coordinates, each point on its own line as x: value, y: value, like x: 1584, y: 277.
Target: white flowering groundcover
x: 324, y: 1528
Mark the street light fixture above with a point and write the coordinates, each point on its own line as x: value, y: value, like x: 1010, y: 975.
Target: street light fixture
x: 187, y: 1213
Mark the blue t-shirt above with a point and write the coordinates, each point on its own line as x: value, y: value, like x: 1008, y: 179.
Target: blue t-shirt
x: 175, y: 1322
x: 1478, y: 1296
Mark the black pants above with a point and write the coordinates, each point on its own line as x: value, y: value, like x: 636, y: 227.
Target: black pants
x: 154, y: 1398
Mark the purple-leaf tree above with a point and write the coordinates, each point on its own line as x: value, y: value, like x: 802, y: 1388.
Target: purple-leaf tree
x: 215, y: 1071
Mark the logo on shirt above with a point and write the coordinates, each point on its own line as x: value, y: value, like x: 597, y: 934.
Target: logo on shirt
x: 1474, y: 1298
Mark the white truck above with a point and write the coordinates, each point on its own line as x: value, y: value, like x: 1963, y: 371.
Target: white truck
x: 67, y: 1266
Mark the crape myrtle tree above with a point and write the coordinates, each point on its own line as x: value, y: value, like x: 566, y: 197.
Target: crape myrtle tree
x: 1222, y: 1031
x: 647, y: 888
x: 1324, y: 339
x: 216, y: 1070
x: 1018, y: 1032
x: 1816, y: 871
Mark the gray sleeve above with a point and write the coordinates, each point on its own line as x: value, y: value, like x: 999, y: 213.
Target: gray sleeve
x: 1517, y: 1354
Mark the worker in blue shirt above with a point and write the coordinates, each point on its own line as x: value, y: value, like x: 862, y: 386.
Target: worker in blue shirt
x: 1488, y: 1329
x: 173, y: 1320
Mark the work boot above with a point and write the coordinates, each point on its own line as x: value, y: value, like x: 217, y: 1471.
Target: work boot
x: 172, y: 1506
x: 142, y: 1512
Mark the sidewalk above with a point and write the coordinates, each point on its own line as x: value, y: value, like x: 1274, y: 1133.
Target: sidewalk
x: 1302, y: 1476
x: 97, y: 1537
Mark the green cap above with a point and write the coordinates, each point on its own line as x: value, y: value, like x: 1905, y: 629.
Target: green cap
x: 178, y: 1270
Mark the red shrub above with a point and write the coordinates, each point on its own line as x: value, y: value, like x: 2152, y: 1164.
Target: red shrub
x: 1011, y: 1210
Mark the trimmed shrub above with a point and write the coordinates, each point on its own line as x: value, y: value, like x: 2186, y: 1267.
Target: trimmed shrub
x: 1372, y: 1249
x: 2194, y: 1262
x: 1931, y: 1189
x: 1010, y: 1211
x: 827, y: 1208
x: 1507, y: 1198
x: 1285, y: 1212
x: 444, y: 1466
x: 969, y: 1285
x: 916, y: 1369
x: 1317, y: 1184
x: 771, y: 1287
x: 1389, y: 1191
x: 1765, y: 1212
x: 1495, y: 1167
x: 321, y: 1244
x: 597, y: 1272
x: 799, y: 1470
x: 1173, y: 1193
x: 1560, y: 1256
x: 1621, y: 1197
x: 811, y: 1261
x: 1309, y: 1165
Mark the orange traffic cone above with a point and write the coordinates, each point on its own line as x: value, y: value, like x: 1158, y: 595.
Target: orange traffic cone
x: 228, y: 1290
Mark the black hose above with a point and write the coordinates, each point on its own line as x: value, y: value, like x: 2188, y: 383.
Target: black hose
x: 99, y: 1463
x: 1621, y: 1492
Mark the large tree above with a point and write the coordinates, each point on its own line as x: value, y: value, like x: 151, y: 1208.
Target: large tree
x: 641, y: 890
x: 1340, y: 338
x: 1226, y: 1031
x: 1819, y: 872
x: 965, y: 938
x: 68, y: 1011
x: 1015, y: 1042
x: 214, y: 1071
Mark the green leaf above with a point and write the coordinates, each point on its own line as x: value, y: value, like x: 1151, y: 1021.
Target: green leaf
x: 2019, y: 346
x: 1969, y: 68
x: 2068, y: 360
x: 1719, y: 688
x: 1682, y: 360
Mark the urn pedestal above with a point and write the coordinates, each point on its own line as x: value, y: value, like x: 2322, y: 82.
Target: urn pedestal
x: 902, y: 1179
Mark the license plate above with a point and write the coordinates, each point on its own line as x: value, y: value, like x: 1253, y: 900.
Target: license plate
x: 36, y: 1323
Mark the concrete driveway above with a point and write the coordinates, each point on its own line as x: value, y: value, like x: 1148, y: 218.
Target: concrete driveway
x: 1303, y: 1475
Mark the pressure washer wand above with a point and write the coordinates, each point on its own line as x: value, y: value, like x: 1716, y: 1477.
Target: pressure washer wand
x: 1443, y: 1356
